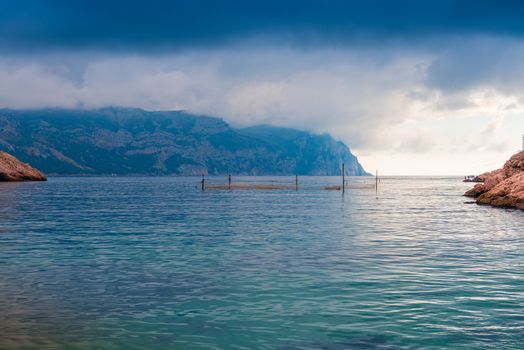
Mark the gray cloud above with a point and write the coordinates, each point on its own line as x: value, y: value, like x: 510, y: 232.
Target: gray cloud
x: 363, y: 96
x: 348, y: 93
x: 133, y: 25
x: 466, y: 63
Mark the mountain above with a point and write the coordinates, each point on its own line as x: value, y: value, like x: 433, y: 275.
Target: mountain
x: 133, y: 141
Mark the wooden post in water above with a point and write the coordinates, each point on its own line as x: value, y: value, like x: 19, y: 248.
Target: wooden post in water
x: 376, y: 181
x: 296, y: 182
x: 229, y: 182
x: 343, y: 179
x: 203, y: 183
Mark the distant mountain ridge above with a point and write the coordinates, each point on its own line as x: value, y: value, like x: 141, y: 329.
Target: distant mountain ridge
x: 129, y: 141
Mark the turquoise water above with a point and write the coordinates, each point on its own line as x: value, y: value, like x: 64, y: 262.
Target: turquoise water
x: 154, y: 263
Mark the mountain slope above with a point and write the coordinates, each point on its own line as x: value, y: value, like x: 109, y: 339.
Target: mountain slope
x: 134, y: 141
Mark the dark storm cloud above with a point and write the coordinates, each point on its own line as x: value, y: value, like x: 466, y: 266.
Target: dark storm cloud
x: 461, y: 65
x: 54, y: 24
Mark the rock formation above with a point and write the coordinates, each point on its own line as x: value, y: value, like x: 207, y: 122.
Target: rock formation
x: 11, y: 169
x: 503, y: 187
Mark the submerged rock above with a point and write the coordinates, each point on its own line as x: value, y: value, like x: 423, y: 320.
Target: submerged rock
x: 503, y: 187
x: 11, y: 169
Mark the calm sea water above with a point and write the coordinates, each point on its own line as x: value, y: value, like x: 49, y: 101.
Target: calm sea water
x: 154, y: 263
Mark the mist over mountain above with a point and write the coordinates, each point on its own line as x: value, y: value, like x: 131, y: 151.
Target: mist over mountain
x: 128, y: 141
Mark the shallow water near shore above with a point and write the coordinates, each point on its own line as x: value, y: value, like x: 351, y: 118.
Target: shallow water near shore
x: 154, y: 263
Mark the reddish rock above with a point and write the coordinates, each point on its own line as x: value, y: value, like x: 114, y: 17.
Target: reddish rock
x: 11, y: 169
x: 503, y: 187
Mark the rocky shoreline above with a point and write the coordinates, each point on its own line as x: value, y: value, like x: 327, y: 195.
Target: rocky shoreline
x: 11, y: 169
x: 503, y: 187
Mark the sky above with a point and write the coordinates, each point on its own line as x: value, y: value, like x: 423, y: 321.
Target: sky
x: 412, y: 87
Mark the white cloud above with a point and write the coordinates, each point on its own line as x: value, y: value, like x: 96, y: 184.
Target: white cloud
x: 31, y: 86
x: 385, y: 103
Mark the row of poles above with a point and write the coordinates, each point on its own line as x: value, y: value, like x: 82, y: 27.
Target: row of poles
x: 344, y: 180
x: 203, y: 182
x: 296, y: 181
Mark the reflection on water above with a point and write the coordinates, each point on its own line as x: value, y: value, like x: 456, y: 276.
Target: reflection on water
x: 129, y: 263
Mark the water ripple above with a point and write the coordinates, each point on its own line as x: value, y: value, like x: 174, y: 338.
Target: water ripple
x: 134, y: 263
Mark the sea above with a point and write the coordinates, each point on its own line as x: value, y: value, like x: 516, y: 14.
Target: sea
x: 157, y: 263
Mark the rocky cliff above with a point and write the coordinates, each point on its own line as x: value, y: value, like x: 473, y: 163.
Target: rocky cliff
x: 11, y: 169
x: 503, y: 187
x: 134, y: 141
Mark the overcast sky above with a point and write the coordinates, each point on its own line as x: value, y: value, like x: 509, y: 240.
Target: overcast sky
x: 413, y: 87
